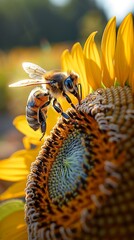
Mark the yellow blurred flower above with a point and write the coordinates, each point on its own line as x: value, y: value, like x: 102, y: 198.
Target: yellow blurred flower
x: 112, y: 66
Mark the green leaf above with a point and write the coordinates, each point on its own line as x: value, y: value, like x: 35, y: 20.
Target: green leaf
x: 10, y: 206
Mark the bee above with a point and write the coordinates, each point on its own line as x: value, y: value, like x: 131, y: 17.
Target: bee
x: 53, y: 84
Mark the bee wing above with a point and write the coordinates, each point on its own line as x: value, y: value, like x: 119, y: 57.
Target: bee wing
x: 33, y: 70
x: 27, y: 82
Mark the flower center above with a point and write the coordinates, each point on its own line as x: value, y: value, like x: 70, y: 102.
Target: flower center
x: 82, y: 177
x: 68, y: 169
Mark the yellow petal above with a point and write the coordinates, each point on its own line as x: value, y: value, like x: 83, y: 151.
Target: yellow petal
x: 65, y: 105
x: 21, y: 124
x: 17, y: 166
x: 13, y: 169
x: 27, y: 142
x: 90, y: 49
x: 13, y: 226
x: 16, y: 190
x: 131, y: 75
x: 31, y: 136
x: 108, y: 52
x: 93, y: 63
x: 123, y: 56
x: 67, y: 64
x: 131, y: 72
x: 52, y: 117
x: 75, y: 62
x: 79, y: 61
x: 8, y: 207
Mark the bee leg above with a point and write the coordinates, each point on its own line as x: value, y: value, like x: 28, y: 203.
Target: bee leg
x: 42, y: 117
x: 68, y: 99
x: 58, y: 108
x: 42, y: 122
x: 43, y: 129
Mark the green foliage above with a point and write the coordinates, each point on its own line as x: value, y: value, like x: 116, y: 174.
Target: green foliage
x: 91, y: 22
x: 29, y: 22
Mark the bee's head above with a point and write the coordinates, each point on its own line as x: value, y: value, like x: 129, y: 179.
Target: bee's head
x: 72, y: 85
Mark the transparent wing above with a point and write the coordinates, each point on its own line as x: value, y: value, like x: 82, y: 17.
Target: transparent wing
x: 27, y: 82
x: 33, y: 70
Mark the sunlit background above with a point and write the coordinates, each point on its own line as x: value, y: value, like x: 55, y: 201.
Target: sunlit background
x: 38, y: 31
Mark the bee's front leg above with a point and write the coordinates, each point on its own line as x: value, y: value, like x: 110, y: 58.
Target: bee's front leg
x: 58, y: 108
x: 68, y: 99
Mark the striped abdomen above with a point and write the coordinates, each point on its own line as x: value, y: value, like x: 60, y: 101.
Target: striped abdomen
x: 35, y: 109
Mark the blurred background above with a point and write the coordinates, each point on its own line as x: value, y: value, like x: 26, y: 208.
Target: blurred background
x: 38, y: 32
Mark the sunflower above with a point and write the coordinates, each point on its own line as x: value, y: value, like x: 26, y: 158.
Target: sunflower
x: 81, y: 184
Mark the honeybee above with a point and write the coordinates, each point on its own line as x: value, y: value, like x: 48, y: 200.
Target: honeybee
x: 53, y: 84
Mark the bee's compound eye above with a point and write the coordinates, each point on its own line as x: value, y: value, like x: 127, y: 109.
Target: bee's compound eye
x: 69, y: 84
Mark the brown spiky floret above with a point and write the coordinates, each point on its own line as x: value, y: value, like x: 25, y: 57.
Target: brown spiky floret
x: 81, y: 184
